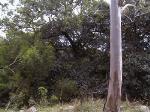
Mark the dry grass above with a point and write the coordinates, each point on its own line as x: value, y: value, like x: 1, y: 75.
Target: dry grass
x: 88, y: 106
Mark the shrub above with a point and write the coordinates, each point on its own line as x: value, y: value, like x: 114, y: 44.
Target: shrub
x: 65, y: 89
x: 54, y: 99
x: 17, y: 100
x: 42, y: 92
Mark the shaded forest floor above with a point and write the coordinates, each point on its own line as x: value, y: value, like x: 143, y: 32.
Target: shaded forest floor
x: 87, y: 106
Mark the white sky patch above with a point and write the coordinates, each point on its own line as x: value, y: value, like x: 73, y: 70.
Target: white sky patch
x: 77, y: 10
x: 2, y: 34
x: 11, y: 7
x: 108, y: 1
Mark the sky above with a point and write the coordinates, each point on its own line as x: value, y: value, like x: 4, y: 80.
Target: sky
x: 108, y: 1
x: 13, y: 7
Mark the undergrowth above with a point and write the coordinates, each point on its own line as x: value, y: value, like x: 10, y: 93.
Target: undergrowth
x: 87, y: 106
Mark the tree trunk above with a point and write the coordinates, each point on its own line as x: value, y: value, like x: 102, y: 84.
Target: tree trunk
x: 115, y: 80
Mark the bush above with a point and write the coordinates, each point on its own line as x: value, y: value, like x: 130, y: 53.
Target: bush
x: 17, y: 100
x: 66, y: 89
x: 54, y: 99
x: 42, y: 92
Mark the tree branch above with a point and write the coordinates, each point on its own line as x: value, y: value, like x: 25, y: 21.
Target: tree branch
x: 14, y: 61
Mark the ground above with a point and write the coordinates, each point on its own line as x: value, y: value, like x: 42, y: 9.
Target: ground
x: 87, y: 106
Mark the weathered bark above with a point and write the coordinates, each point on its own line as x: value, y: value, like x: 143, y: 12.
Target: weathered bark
x: 115, y: 80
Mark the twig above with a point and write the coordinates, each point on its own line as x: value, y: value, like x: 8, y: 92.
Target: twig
x: 142, y: 14
x: 128, y: 17
x: 14, y: 61
x: 8, y: 68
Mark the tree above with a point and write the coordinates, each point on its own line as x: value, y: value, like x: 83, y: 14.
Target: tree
x: 76, y: 34
x: 115, y: 80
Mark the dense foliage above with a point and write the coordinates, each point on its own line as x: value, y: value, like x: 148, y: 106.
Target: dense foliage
x: 62, y: 46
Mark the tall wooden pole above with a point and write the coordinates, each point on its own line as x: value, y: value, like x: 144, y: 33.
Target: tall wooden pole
x: 115, y: 80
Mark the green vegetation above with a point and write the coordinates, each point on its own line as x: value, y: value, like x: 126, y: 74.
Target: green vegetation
x: 58, y: 50
x: 87, y: 106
